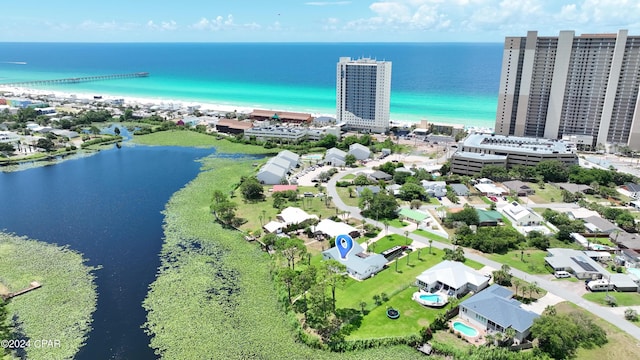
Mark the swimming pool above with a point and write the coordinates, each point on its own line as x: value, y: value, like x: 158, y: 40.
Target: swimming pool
x: 465, y: 329
x: 432, y: 298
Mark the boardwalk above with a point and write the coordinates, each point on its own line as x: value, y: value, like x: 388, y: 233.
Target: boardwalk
x: 77, y: 79
x: 34, y: 285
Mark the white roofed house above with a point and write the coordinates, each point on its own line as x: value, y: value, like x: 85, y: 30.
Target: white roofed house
x: 521, y: 216
x: 453, y: 277
x: 283, y: 163
x: 335, y: 157
x: 360, y: 151
x: 360, y: 265
x: 331, y: 229
x: 271, y: 174
x: 435, y: 188
x: 291, y: 157
x: 294, y: 215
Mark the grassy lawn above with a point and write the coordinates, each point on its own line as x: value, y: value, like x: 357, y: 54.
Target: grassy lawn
x: 533, y: 260
x: 253, y: 211
x: 387, y: 242
x: 431, y: 236
x: 349, y: 177
x: 344, y: 195
x: 413, y: 317
x: 398, y: 223
x: 432, y: 201
x: 387, y: 281
x: 549, y: 194
x: 192, y: 138
x: 621, y: 346
x: 624, y: 298
x: 473, y: 264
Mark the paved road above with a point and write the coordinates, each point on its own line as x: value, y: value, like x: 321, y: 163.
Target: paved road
x: 605, y: 313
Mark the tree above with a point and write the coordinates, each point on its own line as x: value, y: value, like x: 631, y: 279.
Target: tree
x: 376, y: 299
x: 382, y: 205
x: 411, y: 191
x: 288, y: 276
x: 361, y: 180
x: 430, y: 243
x: 6, y: 148
x: 350, y: 160
x: 251, y: 189
x: 334, y: 274
x: 366, y: 197
x: 5, y: 330
x: 503, y: 276
x: 631, y: 315
x: 509, y: 333
x: 45, y: 144
x: 516, y: 284
x: 533, y: 288
x: 290, y: 248
x: 350, y: 191
x: 552, y: 171
x: 363, y: 307
x: 116, y: 131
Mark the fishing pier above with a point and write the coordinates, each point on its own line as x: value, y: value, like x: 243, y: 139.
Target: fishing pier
x: 77, y: 79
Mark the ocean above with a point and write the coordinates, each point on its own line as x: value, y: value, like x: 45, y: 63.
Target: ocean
x: 441, y: 82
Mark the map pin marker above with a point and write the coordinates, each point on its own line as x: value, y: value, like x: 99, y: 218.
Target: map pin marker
x: 344, y: 243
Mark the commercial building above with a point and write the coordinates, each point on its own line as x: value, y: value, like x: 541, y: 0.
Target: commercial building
x: 584, y: 86
x: 363, y: 94
x: 480, y: 150
x: 282, y: 116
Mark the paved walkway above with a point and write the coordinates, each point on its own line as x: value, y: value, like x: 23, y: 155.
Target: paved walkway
x: 609, y: 314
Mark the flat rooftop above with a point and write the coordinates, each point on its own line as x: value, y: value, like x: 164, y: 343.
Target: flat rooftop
x: 517, y: 143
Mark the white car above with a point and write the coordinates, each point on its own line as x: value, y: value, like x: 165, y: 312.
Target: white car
x: 561, y: 274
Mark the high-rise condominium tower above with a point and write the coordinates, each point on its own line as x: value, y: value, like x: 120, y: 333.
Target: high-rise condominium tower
x: 580, y: 87
x: 363, y: 92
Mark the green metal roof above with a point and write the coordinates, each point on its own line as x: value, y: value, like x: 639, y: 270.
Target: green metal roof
x: 488, y: 215
x: 413, y: 215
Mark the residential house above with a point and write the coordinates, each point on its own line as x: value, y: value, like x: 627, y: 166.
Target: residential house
x: 633, y: 189
x: 521, y: 216
x: 293, y: 215
x: 360, y: 151
x: 331, y: 229
x: 435, y: 188
x: 453, y: 277
x: 575, y: 188
x: 519, y: 188
x: 495, y: 311
x: 271, y: 174
x: 575, y: 262
x: 374, y: 189
x: 489, y: 217
x: 394, y: 189
x: 280, y: 188
x: 626, y: 240
x: 488, y: 189
x: 460, y: 189
x: 596, y: 224
x: 412, y: 215
x: 335, y: 157
x: 380, y: 175
x: 630, y: 258
x: 359, y: 264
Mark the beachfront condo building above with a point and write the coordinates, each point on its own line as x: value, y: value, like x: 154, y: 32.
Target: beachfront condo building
x: 582, y: 88
x: 363, y: 93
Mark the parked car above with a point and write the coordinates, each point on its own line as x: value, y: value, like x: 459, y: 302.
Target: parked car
x: 561, y: 274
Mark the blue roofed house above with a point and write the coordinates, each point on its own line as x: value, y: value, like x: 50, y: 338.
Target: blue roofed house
x: 493, y: 310
x: 359, y: 264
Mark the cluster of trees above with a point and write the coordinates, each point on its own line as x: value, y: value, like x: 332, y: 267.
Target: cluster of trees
x: 560, y: 335
x: 316, y: 289
x: 490, y: 239
x: 556, y: 171
x: 251, y: 189
x: 503, y: 276
x: 378, y: 206
x: 224, y: 209
x: 5, y: 330
x: 468, y: 216
x: 565, y: 225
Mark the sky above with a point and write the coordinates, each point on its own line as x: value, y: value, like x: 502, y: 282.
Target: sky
x: 309, y: 21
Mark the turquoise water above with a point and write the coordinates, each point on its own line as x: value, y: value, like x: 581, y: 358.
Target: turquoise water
x: 312, y: 157
x: 634, y: 271
x: 432, y: 297
x: 465, y: 329
x: 453, y: 83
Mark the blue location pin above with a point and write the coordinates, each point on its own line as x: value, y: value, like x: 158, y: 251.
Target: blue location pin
x: 344, y: 243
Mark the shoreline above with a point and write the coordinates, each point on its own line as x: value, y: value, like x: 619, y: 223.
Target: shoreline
x: 203, y: 106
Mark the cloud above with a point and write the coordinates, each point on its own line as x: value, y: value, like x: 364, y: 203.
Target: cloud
x: 223, y: 23
x: 327, y: 3
x: 163, y: 26
x: 498, y: 16
x: 107, y: 26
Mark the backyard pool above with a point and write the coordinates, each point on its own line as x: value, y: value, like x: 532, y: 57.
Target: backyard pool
x: 433, y: 300
x: 465, y: 329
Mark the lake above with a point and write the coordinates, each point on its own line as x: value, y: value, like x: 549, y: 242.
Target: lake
x: 108, y: 207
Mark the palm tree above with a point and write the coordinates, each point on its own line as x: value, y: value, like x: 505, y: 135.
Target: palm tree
x: 490, y: 339
x: 430, y: 242
x: 533, y: 288
x: 350, y: 191
x: 509, y: 333
x: 516, y: 284
x: 406, y: 235
x: 363, y: 306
